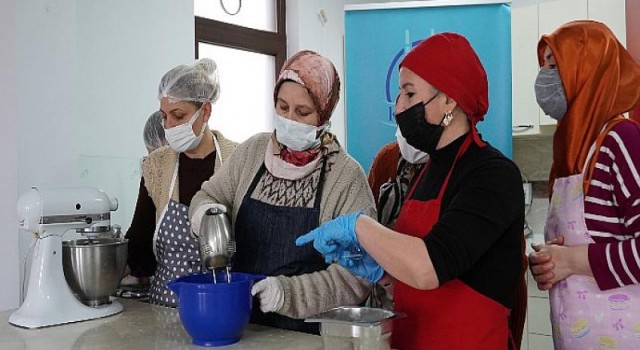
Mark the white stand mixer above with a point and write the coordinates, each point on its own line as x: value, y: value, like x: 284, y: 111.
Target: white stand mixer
x: 50, y: 213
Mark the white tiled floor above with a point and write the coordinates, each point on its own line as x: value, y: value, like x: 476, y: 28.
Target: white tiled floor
x: 538, y: 326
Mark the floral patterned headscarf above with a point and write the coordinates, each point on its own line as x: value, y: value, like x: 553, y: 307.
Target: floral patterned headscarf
x: 318, y: 75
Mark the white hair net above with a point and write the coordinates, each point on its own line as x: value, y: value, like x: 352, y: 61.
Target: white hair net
x: 197, y: 82
x: 153, y: 133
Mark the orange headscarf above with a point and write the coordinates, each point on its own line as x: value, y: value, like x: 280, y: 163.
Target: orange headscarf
x: 601, y: 81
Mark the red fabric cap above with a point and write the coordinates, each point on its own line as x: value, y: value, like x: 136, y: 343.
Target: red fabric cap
x: 447, y: 61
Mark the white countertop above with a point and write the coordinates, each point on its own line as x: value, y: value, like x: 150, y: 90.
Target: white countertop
x: 140, y: 326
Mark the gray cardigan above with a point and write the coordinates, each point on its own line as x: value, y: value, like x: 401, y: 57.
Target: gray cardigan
x: 345, y: 190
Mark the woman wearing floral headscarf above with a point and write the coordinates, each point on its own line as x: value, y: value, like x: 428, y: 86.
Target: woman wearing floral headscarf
x: 278, y: 186
x: 586, y: 81
x: 455, y: 249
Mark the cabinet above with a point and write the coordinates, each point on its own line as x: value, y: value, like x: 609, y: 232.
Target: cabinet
x: 524, y: 67
x: 530, y: 20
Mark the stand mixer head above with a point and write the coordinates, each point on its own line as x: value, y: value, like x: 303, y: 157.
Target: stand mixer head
x: 49, y: 214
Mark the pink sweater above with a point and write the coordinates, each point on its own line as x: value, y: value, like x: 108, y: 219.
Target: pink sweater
x: 612, y: 209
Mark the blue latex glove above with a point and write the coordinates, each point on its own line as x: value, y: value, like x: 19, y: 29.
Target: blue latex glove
x: 333, y: 236
x: 363, y: 266
x: 337, y: 241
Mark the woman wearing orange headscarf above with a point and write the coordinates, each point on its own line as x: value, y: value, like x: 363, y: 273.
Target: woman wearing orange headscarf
x: 587, y: 81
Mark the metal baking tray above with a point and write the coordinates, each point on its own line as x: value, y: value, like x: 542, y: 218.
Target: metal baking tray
x: 356, y: 321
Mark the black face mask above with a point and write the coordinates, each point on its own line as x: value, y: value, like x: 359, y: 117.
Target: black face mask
x: 414, y: 127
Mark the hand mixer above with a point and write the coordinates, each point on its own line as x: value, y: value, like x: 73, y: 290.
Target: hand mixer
x: 217, y: 245
x: 49, y: 214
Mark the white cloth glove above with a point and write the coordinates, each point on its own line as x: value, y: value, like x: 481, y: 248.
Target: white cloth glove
x: 196, y: 219
x: 271, y: 294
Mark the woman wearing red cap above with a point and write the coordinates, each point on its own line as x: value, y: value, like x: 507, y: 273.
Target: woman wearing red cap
x: 455, y: 250
x: 586, y: 81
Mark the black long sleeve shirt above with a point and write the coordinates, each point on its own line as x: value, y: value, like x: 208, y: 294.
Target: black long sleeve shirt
x: 478, y: 236
x: 191, y: 174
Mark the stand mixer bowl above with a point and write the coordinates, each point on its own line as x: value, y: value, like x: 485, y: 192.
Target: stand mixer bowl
x: 93, y: 267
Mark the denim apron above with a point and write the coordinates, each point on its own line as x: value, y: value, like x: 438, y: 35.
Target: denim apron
x: 176, y: 250
x: 582, y: 315
x: 265, y: 236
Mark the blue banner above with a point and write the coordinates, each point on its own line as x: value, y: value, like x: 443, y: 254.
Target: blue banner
x: 376, y: 40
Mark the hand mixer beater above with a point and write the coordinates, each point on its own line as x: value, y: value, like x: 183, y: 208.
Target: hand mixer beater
x: 217, y: 245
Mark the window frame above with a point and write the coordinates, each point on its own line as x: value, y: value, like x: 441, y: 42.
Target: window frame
x: 218, y: 33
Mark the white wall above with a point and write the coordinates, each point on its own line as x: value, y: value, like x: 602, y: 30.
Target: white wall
x: 78, y: 80
x: 8, y: 157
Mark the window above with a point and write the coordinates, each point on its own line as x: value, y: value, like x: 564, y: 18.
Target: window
x: 249, y: 49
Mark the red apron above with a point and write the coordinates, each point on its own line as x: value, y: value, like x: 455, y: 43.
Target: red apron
x: 452, y: 316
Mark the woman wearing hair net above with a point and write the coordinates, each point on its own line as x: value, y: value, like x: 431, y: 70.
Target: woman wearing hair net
x: 153, y: 136
x: 590, y: 263
x: 153, y: 133
x: 277, y: 186
x: 455, y: 249
x: 160, y: 244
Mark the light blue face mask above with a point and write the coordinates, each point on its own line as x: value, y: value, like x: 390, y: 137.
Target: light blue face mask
x: 297, y: 136
x: 181, y: 137
x: 550, y: 93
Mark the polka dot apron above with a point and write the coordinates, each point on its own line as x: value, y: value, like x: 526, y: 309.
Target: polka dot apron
x: 176, y: 251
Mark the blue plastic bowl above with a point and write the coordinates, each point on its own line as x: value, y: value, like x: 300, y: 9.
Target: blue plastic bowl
x: 214, y: 314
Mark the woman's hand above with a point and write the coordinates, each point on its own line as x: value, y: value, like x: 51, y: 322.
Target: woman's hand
x: 337, y: 241
x: 557, y: 240
x: 333, y: 236
x: 543, y: 266
x: 363, y: 266
x: 271, y: 294
x: 552, y: 262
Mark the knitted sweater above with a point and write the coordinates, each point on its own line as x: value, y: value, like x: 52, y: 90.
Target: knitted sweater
x: 153, y: 196
x: 345, y: 190
x: 158, y: 169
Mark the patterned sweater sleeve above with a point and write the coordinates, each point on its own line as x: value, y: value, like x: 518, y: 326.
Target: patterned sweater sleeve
x: 346, y: 190
x: 612, y: 209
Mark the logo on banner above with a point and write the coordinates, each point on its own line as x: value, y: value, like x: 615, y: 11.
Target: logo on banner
x: 390, y: 97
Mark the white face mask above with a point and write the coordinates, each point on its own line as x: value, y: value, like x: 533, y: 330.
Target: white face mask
x: 181, y: 137
x: 410, y: 153
x: 295, y: 135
